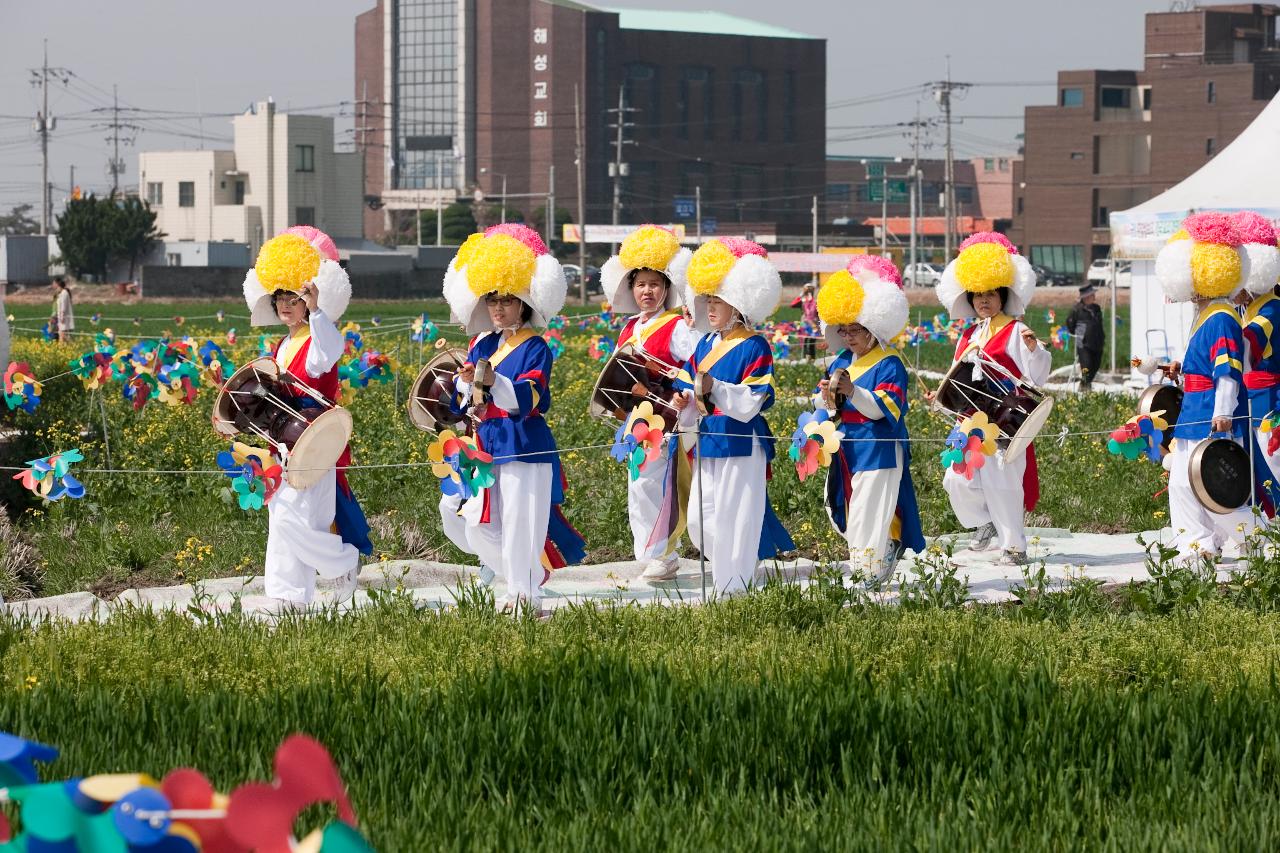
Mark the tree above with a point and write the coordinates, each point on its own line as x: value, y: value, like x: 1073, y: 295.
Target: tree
x: 134, y: 231
x: 94, y: 231
x: 85, y: 235
x: 538, y: 222
x: 19, y: 221
x: 458, y: 225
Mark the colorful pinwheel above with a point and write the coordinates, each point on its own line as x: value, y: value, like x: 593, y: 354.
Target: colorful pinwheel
x: 217, y: 367
x: 93, y: 369
x: 179, y: 384
x: 814, y: 442
x: 50, y: 476
x: 352, y: 341
x: 463, y: 468
x: 640, y: 438
x: 424, y: 331
x: 255, y: 475
x: 555, y: 341
x: 1141, y: 435
x: 969, y: 444
x: 21, y: 389
x: 601, y: 347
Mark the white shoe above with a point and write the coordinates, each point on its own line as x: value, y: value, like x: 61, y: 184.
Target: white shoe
x: 346, y: 587
x: 1013, y: 557
x: 486, y: 575
x: 982, y: 537
x: 661, y: 570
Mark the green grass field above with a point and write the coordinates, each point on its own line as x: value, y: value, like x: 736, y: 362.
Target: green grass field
x: 782, y: 721
x: 138, y: 529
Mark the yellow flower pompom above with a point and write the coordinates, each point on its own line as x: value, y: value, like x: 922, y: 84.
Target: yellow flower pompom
x: 840, y: 299
x: 500, y: 264
x: 708, y: 267
x: 984, y: 267
x: 1215, y: 269
x: 286, y: 262
x: 648, y: 247
x: 466, y: 250
x: 1180, y: 234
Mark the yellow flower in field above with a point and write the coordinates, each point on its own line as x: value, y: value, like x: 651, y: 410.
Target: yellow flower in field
x: 1158, y: 514
x: 31, y: 682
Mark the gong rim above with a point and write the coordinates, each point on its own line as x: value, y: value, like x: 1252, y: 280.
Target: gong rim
x: 224, y: 407
x: 1194, y: 474
x: 1031, y: 427
x: 318, y: 448
x: 419, y: 415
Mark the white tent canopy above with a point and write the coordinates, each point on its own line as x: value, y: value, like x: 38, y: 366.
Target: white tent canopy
x: 1244, y: 176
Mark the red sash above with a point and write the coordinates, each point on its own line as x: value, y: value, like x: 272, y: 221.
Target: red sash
x: 328, y: 385
x: 1259, y: 379
x: 998, y: 349
x: 1194, y: 382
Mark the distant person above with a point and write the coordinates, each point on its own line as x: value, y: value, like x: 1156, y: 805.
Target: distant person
x: 1085, y: 325
x: 811, y: 329
x: 4, y: 330
x: 64, y: 318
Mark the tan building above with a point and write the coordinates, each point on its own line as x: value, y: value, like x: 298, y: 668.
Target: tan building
x: 282, y: 171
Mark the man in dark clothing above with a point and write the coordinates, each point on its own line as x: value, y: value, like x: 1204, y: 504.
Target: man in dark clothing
x: 1084, y: 323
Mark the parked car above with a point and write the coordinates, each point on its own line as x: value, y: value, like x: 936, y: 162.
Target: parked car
x: 1100, y: 272
x: 572, y: 273
x: 922, y: 274
x: 1047, y: 277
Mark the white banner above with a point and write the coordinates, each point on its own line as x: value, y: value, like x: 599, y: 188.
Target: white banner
x: 608, y: 233
x: 809, y: 261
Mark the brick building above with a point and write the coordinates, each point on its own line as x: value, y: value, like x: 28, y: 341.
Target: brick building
x: 1116, y: 138
x: 458, y: 99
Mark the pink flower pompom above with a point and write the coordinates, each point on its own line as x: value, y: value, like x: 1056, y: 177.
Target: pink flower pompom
x: 322, y: 242
x: 741, y: 247
x: 1212, y: 227
x: 880, y: 266
x: 520, y: 232
x: 988, y: 237
x: 1253, y: 227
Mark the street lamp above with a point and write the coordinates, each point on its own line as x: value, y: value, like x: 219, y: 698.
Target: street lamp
x: 484, y: 170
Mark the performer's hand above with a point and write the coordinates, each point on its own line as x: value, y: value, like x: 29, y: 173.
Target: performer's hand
x: 1171, y: 370
x: 823, y: 385
x: 1220, y: 424
x: 929, y: 396
x: 688, y: 316
x: 845, y: 387
x: 681, y: 401
x: 1029, y: 338
x: 467, y: 373
x: 311, y: 295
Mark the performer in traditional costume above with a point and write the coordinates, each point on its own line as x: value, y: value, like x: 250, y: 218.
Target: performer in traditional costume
x: 870, y: 497
x: 731, y: 285
x: 505, y: 286
x: 646, y: 279
x: 990, y: 282
x: 1261, y: 301
x: 320, y: 530
x: 1204, y: 263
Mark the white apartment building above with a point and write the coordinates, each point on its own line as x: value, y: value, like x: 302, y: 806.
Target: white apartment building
x: 282, y: 171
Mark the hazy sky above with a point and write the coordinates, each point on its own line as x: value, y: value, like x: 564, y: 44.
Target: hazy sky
x: 217, y: 58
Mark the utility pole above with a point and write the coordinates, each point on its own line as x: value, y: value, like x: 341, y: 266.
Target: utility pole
x: 44, y: 125
x: 942, y: 93
x: 551, y: 205
x: 915, y: 192
x: 884, y: 211
x: 697, y: 208
x: 116, y: 165
x: 618, y: 169
x: 813, y: 279
x: 578, y: 161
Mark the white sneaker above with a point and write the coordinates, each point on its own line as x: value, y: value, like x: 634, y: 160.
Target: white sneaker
x: 486, y: 575
x: 346, y: 587
x: 1013, y: 557
x: 661, y: 570
x: 982, y: 537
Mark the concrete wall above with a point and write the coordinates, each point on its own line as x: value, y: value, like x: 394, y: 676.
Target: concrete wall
x: 227, y: 283
x: 24, y: 259
x: 206, y: 171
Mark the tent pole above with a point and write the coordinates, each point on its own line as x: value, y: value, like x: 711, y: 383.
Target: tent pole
x: 1115, y: 287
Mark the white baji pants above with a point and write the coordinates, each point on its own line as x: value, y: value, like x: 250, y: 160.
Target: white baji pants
x: 732, y: 514
x: 512, y: 541
x: 1273, y: 462
x: 644, y: 502
x: 300, y: 541
x: 873, y: 500
x: 994, y: 495
x: 1195, y: 527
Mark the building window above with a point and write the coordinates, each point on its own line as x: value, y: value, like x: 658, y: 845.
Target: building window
x: 789, y: 109
x: 186, y: 194
x: 1210, y: 92
x: 1072, y: 98
x: 306, y: 158
x: 239, y: 192
x: 304, y: 216
x: 642, y: 96
x: 1020, y: 205
x: 989, y: 164
x: 1004, y: 164
x: 695, y: 105
x: 1115, y: 98
x: 173, y: 259
x: 750, y: 106
x: 1077, y: 155
x: 964, y: 195
x: 838, y: 192
x: 1062, y: 259
x: 1146, y: 99
x: 155, y: 193
x: 1210, y: 147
